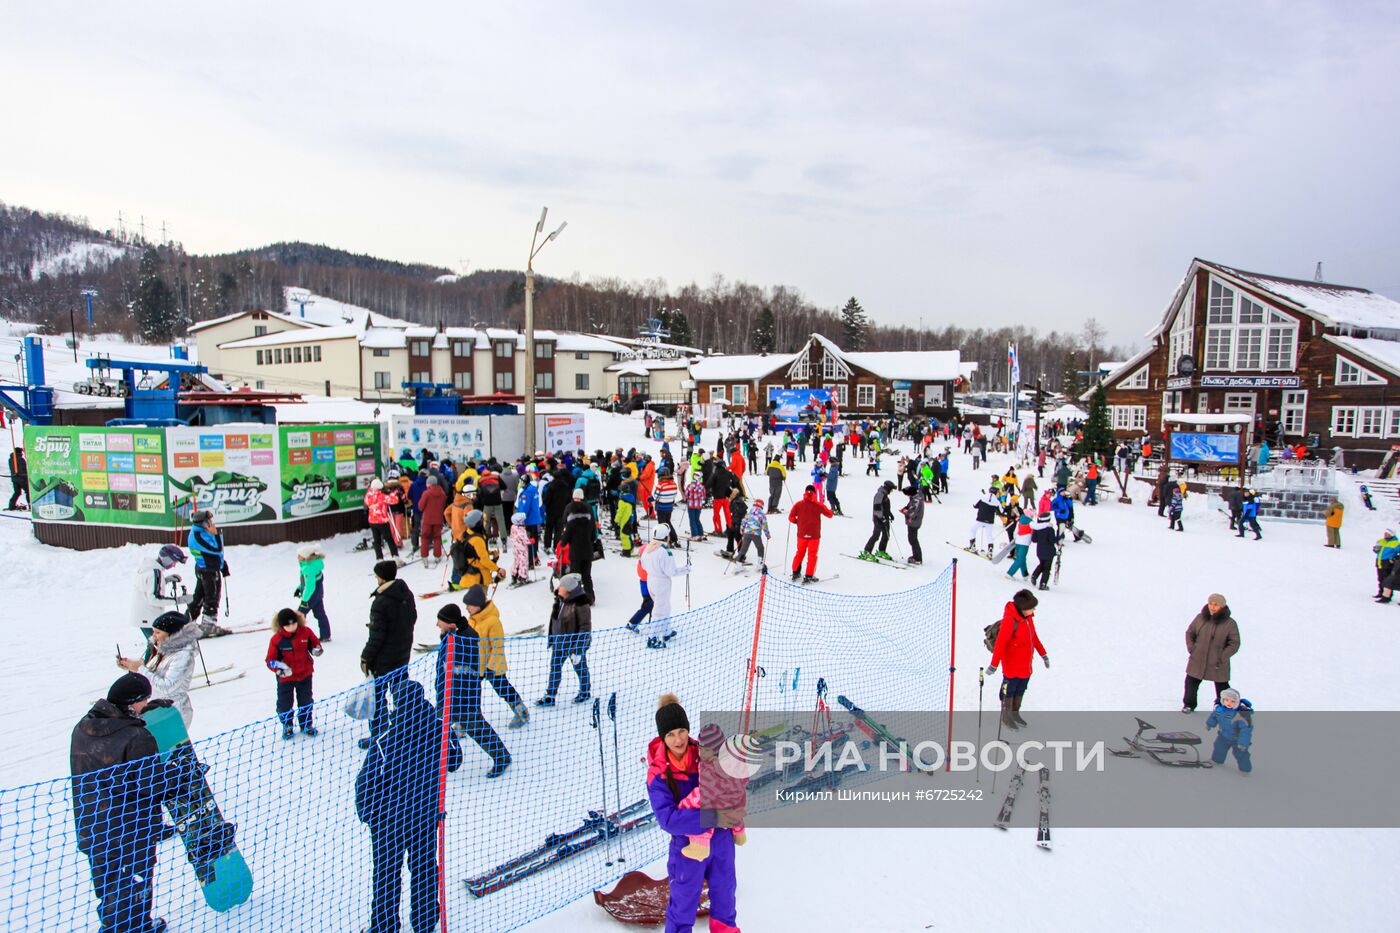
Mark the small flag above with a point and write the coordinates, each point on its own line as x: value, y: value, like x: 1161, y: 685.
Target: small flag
x: 1014, y: 362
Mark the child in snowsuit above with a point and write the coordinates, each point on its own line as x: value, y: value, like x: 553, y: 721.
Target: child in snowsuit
x: 754, y: 531
x: 717, y: 791
x: 289, y: 654
x: 1174, y: 509
x: 1366, y: 499
x: 311, y: 591
x: 1235, y: 717
x: 519, y: 550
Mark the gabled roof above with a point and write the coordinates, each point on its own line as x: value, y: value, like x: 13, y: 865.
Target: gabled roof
x: 315, y: 334
x: 742, y: 366
x: 233, y: 317
x: 913, y: 365
x: 1382, y: 353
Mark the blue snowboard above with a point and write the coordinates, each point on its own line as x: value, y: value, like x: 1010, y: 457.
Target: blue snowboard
x: 223, y: 875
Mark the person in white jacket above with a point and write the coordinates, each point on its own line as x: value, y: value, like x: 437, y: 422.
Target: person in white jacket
x: 151, y: 595
x: 660, y: 566
x: 171, y: 666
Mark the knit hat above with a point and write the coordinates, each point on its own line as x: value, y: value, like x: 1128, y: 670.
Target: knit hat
x: 170, y: 622
x: 670, y: 715
x: 1230, y: 694
x: 201, y: 516
x: 517, y: 518
x: 128, y: 689
x: 376, y: 483
x: 711, y: 736
x: 571, y: 582
x: 661, y: 532
x: 451, y: 614
x: 475, y: 597
x: 474, y: 519
x: 578, y: 495
x: 433, y: 480
x: 1024, y: 601
x: 386, y: 570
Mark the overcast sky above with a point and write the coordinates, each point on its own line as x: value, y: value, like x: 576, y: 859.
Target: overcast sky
x: 977, y: 162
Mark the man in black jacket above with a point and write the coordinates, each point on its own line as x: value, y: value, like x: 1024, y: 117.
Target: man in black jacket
x: 880, y: 516
x: 389, y: 646
x: 119, y: 784
x: 556, y: 500
x: 721, y: 484
x: 19, y: 478
x: 579, y: 536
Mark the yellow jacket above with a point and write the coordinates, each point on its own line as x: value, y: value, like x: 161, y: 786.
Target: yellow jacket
x: 487, y: 625
x: 469, y: 473
x: 480, y: 567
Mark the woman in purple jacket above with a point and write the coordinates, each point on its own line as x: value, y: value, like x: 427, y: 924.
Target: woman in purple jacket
x: 673, y: 771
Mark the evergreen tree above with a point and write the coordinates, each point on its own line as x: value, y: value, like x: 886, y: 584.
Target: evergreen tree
x: 1098, y: 431
x: 765, y: 332
x: 853, y: 325
x: 680, y: 327
x: 154, y: 307
x: 1070, y: 382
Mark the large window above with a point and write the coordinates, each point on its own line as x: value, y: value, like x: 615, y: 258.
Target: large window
x: 1239, y: 401
x: 1293, y: 412
x: 278, y: 353
x: 798, y: 370
x: 1370, y: 421
x: 1239, y: 329
x: 462, y: 381
x: 419, y: 347
x: 1137, y: 380
x: 581, y: 382
x: 381, y: 351
x: 1129, y: 417
x: 544, y: 382
x: 833, y: 368
x: 505, y: 349
x: 505, y: 382
x: 296, y: 352
x: 865, y: 396
x: 716, y: 394
x: 1182, y: 339
x: 740, y: 395
x: 461, y: 348
x: 381, y: 380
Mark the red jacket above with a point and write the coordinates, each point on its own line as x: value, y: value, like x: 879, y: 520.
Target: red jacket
x: 294, y: 650
x: 807, y: 515
x: 431, y: 504
x: 1013, y: 651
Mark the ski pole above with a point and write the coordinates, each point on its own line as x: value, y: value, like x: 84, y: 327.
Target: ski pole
x: 981, y: 679
x: 603, y: 775
x: 202, y: 666
x: 617, y: 781
x: 1000, y: 720
x: 687, y: 587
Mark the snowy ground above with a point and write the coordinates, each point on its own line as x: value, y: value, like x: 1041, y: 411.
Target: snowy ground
x: 1312, y: 640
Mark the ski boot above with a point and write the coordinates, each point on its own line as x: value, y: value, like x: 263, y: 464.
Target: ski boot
x: 655, y: 643
x: 522, y: 716
x: 632, y: 626
x: 809, y: 579
x: 546, y: 700
x: 310, y: 731
x: 883, y: 555
x: 287, y: 731
x: 1188, y: 710
x: 863, y: 555
x: 583, y: 697
x: 796, y: 575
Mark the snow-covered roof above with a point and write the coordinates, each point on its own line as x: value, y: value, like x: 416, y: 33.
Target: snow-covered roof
x: 739, y: 366
x: 295, y: 336
x: 1107, y: 367
x: 1220, y: 418
x: 585, y: 343
x: 1383, y: 353
x: 1336, y: 304
x: 638, y: 342
x: 290, y: 319
x: 920, y: 365
x: 384, y: 338
x: 642, y: 367
x: 630, y: 368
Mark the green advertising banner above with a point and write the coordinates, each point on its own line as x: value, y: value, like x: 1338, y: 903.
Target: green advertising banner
x: 327, y: 467
x: 231, y: 470
x: 115, y: 476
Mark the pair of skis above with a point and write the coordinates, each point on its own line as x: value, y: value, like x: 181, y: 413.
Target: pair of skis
x: 1042, y: 835
x: 872, y: 559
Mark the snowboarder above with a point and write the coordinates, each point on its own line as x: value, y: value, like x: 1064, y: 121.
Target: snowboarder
x: 717, y: 790
x: 1212, y: 639
x: 1235, y: 717
x: 119, y: 784
x: 377, y: 503
x: 311, y: 591
x: 673, y: 774
x: 807, y: 516
x: 661, y: 567
x: 289, y: 655
x: 392, y: 615
x: 570, y: 635
x: 207, y: 546
x: 467, y: 673
x: 1015, y: 644
x: 1366, y: 499
x: 174, y: 643
x: 913, y: 512
x: 880, y: 516
x: 396, y: 796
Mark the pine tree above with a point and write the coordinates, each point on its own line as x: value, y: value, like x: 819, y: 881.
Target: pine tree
x: 1098, y: 431
x: 853, y: 325
x: 680, y: 327
x: 154, y: 307
x: 765, y: 332
x: 1070, y: 383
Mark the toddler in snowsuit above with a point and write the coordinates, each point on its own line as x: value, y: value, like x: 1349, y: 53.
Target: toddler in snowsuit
x: 1235, y: 717
x: 289, y: 655
x: 519, y: 550
x: 717, y: 791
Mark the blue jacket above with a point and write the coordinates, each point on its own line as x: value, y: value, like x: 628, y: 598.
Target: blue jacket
x: 1250, y: 508
x: 528, y: 503
x: 397, y: 787
x: 415, y: 489
x: 1236, y: 725
x: 1061, y: 506
x: 208, y: 549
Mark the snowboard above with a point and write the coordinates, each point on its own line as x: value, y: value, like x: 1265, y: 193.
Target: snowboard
x: 224, y: 878
x: 1000, y: 556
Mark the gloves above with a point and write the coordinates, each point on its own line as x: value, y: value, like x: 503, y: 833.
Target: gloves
x: 364, y: 667
x: 317, y: 651
x: 992, y: 671
x: 279, y: 668
x: 224, y: 569
x: 303, y: 608
x: 296, y: 591
x: 1046, y: 659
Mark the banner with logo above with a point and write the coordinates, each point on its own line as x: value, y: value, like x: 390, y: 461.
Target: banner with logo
x: 460, y: 437
x: 97, y: 474
x: 326, y: 467
x: 559, y: 432
x: 231, y: 470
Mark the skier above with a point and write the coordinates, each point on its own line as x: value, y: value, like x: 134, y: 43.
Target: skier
x: 987, y: 508
x: 1235, y: 717
x: 289, y: 656
x: 570, y: 635
x: 377, y: 503
x: 1249, y: 515
x: 491, y: 498
x: 392, y: 615
x: 1016, y: 640
x: 1333, y: 520
x: 150, y: 593
x: 464, y: 703
x: 311, y: 591
x: 119, y: 785
x: 485, y: 619
x: 171, y: 664
x: 695, y: 505
x: 432, y: 504
x: 647, y: 605
x: 624, y: 518
x: 754, y: 529
x: 472, y: 562
x: 913, y: 512
x: 19, y: 479
x: 720, y: 486
x: 207, y: 546
x: 1022, y: 546
x: 1386, y: 551
x: 881, y: 516
x: 396, y: 796
x: 807, y: 516
x: 1212, y: 639
x: 718, y: 790
x: 520, y: 550
x: 673, y: 773
x: 1047, y: 541
x: 777, y: 476
x: 661, y: 567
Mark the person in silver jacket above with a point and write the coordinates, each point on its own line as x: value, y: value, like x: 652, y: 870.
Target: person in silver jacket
x: 175, y: 643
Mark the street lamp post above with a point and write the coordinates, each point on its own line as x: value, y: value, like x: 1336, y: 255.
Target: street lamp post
x: 530, y: 327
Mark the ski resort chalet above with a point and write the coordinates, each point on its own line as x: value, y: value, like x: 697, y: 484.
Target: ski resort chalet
x: 1308, y: 362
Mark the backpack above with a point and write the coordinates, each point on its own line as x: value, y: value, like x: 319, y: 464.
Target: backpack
x: 989, y: 634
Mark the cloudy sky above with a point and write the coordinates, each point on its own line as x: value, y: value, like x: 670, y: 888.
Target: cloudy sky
x: 978, y: 162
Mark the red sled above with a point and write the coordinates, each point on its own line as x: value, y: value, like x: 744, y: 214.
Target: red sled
x: 641, y: 899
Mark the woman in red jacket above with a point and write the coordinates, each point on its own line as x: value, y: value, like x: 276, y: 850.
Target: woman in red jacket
x: 1016, y: 640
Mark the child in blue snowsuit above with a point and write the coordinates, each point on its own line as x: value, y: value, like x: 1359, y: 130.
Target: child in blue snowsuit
x: 673, y: 772
x: 1235, y: 717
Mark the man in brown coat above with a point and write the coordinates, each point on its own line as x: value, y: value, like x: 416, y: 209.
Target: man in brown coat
x: 1212, y: 639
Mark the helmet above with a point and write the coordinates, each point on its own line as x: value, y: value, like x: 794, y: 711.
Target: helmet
x: 170, y: 555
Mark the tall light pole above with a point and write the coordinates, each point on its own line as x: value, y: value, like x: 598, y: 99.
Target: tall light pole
x: 530, y: 327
